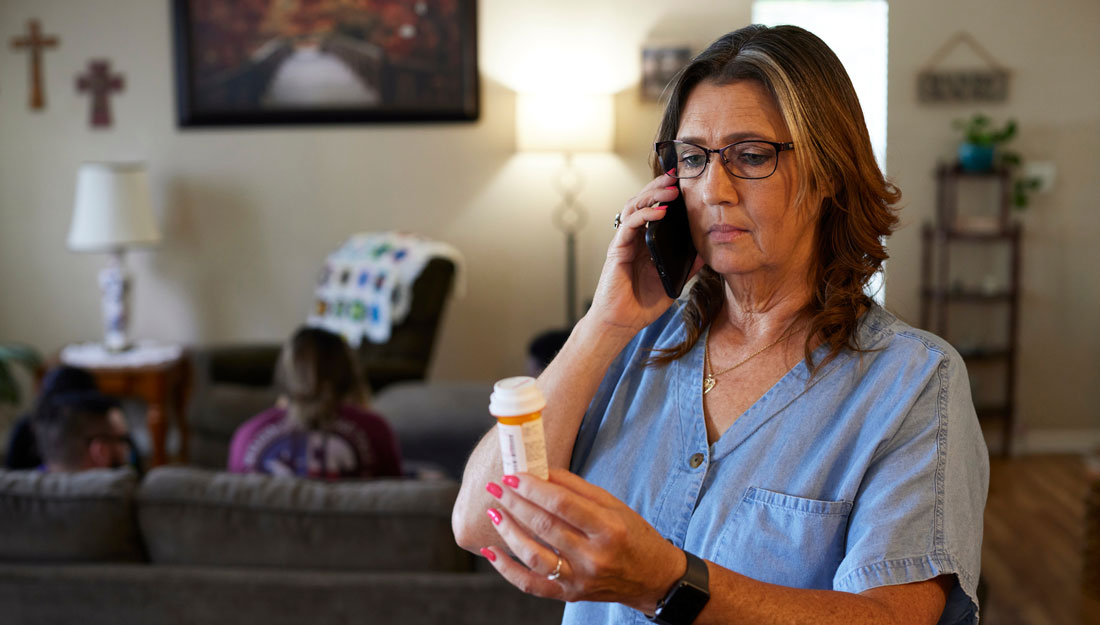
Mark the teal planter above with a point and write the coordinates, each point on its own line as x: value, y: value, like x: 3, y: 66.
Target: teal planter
x: 973, y: 157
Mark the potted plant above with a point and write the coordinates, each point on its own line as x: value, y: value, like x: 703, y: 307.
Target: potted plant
x: 980, y: 139
x: 981, y: 151
x: 11, y: 353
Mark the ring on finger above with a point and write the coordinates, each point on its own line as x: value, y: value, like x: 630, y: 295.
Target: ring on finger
x: 618, y: 221
x: 557, y: 571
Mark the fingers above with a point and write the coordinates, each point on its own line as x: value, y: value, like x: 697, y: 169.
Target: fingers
x: 582, y: 487
x: 524, y: 578
x: 554, y: 512
x: 653, y: 197
x: 534, y: 554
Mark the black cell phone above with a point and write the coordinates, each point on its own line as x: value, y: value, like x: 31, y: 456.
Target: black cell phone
x: 670, y: 246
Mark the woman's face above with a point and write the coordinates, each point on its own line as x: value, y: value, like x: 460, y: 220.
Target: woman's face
x: 744, y: 227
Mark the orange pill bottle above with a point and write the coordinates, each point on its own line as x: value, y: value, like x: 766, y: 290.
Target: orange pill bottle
x: 517, y: 404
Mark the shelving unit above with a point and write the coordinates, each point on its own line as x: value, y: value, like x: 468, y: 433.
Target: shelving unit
x: 948, y: 292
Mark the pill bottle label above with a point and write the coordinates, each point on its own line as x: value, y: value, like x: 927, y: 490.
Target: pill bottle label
x: 523, y: 448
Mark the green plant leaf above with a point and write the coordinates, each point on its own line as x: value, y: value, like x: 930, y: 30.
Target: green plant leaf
x: 1010, y: 158
x: 9, y: 387
x: 25, y: 354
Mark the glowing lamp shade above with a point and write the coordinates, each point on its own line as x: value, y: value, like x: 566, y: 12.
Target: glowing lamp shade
x: 112, y: 209
x: 569, y: 123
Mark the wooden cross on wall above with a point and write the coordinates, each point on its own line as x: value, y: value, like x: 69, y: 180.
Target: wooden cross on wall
x: 36, y: 43
x: 99, y: 81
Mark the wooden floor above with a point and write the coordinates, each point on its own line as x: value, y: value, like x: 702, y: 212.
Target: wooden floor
x: 1033, y: 547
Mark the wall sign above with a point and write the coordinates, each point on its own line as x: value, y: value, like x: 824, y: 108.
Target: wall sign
x: 988, y: 84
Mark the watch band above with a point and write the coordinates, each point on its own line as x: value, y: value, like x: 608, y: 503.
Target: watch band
x: 688, y: 596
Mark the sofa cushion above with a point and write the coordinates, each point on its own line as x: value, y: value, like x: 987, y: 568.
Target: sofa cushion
x: 437, y: 423
x: 69, y: 517
x: 217, y: 413
x: 198, y: 517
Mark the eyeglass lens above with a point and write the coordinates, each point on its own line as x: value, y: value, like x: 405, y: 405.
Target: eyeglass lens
x: 745, y: 159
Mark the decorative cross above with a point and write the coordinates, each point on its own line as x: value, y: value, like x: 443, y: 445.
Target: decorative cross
x: 99, y: 81
x: 36, y: 42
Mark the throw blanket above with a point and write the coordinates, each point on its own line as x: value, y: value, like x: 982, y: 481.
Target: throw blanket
x: 365, y: 287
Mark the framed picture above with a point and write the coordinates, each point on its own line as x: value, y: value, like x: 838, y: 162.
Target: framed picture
x: 324, y: 61
x: 660, y: 62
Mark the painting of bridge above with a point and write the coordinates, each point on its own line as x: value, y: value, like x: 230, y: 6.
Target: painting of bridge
x: 320, y: 61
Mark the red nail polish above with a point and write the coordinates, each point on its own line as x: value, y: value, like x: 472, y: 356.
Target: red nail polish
x: 671, y: 187
x: 494, y: 490
x: 494, y: 515
x: 510, y: 480
x: 661, y: 207
x: 488, y: 553
x: 670, y: 172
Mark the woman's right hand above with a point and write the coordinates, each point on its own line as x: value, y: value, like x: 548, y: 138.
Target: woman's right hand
x: 629, y: 295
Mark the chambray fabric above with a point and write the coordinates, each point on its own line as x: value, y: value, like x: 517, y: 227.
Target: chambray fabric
x: 873, y: 472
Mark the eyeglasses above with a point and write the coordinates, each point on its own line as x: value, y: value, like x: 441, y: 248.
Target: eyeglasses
x: 750, y: 160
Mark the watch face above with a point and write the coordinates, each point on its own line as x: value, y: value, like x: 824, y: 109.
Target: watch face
x: 688, y: 597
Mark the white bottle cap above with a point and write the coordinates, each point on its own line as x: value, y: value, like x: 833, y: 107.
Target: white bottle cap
x: 516, y: 396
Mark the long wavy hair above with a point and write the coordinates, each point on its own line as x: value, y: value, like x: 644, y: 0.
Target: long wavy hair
x: 836, y: 163
x: 317, y: 373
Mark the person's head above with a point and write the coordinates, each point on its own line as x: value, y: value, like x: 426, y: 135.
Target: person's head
x: 824, y: 209
x: 316, y: 373
x: 80, y: 430
x: 65, y: 379
x: 543, y: 348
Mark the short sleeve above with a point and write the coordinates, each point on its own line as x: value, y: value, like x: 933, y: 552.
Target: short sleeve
x: 919, y: 510
x: 628, y: 363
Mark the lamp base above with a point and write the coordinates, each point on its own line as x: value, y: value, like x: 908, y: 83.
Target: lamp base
x: 114, y: 283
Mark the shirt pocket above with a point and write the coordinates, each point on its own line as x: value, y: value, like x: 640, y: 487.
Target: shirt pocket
x: 783, y: 539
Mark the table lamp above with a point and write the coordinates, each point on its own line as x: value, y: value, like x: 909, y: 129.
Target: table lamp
x: 567, y: 124
x: 112, y: 211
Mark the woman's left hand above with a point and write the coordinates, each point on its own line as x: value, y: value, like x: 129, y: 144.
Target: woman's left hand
x: 608, y: 552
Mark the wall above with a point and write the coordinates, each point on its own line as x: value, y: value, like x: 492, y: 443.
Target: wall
x: 1053, y: 53
x: 248, y: 214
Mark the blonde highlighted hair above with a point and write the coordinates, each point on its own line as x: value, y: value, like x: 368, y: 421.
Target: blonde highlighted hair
x: 317, y: 373
x: 836, y: 163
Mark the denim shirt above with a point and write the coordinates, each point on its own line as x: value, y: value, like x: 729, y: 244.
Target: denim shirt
x: 873, y: 472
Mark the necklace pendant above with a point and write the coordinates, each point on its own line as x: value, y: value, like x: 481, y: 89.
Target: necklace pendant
x: 708, y: 383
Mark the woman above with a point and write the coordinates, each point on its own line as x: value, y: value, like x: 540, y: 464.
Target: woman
x: 320, y: 428
x: 774, y: 447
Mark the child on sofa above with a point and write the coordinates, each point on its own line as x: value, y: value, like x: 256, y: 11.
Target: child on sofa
x: 320, y: 427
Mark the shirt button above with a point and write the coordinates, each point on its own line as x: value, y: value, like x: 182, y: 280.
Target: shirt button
x: 696, y: 460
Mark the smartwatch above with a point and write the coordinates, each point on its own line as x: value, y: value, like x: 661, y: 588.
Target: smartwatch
x: 689, y: 594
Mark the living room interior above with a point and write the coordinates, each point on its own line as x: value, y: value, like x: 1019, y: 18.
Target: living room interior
x: 248, y: 213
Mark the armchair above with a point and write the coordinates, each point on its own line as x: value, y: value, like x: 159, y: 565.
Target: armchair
x: 234, y: 382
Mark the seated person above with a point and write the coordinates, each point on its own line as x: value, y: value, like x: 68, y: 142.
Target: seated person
x: 320, y: 427
x: 22, y: 451
x: 81, y: 430
x: 542, y: 350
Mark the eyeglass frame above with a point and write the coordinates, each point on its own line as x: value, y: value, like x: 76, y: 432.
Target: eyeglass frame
x: 778, y: 146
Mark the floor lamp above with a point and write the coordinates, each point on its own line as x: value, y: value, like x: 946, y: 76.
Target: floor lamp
x: 111, y: 212
x: 566, y: 124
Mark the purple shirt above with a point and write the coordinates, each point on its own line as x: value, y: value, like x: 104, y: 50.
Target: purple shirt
x: 358, y: 443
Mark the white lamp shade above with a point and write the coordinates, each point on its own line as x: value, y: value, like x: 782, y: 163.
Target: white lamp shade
x: 567, y: 123
x: 112, y: 209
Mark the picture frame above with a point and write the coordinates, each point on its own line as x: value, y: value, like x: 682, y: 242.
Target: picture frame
x: 660, y: 63
x: 267, y: 62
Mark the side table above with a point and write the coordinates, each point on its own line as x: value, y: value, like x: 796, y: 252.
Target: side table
x: 159, y: 374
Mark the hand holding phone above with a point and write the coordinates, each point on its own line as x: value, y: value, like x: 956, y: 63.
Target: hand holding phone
x: 670, y: 246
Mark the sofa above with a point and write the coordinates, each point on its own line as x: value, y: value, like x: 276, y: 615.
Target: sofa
x: 191, y: 546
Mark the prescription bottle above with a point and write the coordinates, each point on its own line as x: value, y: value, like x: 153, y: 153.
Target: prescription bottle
x: 517, y: 404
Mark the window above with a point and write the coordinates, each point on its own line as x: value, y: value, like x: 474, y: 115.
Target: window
x: 864, y: 57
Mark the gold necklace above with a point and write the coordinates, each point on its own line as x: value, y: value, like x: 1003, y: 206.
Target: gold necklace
x: 709, y: 378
